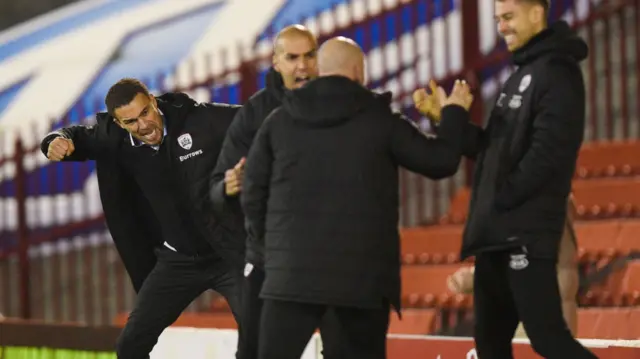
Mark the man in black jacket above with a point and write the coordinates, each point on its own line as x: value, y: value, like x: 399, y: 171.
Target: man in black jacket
x: 294, y: 64
x: 525, y: 160
x: 321, y: 191
x: 154, y: 156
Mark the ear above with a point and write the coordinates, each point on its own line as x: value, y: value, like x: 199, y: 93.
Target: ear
x: 153, y: 101
x: 275, y: 62
x: 118, y: 122
x: 536, y: 14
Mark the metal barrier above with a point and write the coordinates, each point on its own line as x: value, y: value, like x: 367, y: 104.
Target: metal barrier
x: 57, y: 262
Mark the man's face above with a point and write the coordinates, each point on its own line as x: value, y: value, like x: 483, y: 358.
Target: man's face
x: 295, y: 59
x: 141, y: 119
x: 518, y: 21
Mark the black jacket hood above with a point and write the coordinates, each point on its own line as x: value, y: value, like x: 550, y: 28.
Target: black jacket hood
x: 330, y: 100
x: 558, y: 39
x: 274, y: 84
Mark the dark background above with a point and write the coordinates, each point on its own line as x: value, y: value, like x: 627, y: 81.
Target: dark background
x: 13, y: 12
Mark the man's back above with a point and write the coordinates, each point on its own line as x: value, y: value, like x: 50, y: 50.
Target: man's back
x: 329, y: 158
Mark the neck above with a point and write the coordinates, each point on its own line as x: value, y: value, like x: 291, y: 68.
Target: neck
x: 338, y: 73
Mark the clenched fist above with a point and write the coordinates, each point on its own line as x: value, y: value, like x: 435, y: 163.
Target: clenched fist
x: 59, y: 148
x: 233, y: 179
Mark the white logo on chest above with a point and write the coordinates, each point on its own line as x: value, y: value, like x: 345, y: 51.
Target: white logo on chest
x: 500, y: 101
x: 190, y: 155
x: 518, y: 261
x: 524, y: 83
x: 185, y: 141
x: 515, y: 102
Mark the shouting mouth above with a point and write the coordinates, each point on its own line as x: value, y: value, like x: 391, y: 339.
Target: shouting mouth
x: 152, y: 137
x: 301, y: 80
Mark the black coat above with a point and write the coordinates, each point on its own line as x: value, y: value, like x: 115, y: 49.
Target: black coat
x: 321, y: 190
x: 526, y: 155
x: 129, y: 216
x: 236, y: 145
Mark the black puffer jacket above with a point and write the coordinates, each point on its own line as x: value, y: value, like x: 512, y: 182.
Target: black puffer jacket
x: 236, y: 146
x: 321, y: 190
x: 526, y: 156
x: 149, y: 197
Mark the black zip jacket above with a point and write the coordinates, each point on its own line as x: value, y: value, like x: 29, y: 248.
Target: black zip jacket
x: 236, y: 145
x: 525, y: 157
x: 150, y: 196
x: 321, y: 190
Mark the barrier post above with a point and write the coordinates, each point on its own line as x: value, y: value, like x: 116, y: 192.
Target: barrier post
x: 23, y: 233
x: 470, y: 56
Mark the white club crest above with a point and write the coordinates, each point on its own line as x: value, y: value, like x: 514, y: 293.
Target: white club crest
x: 518, y: 261
x: 185, y: 141
x: 524, y: 84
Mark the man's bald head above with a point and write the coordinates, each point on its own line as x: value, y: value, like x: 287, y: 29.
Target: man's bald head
x: 293, y: 32
x: 294, y: 55
x: 341, y: 56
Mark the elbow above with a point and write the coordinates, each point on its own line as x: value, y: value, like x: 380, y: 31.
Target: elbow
x: 217, y: 196
x: 449, y: 166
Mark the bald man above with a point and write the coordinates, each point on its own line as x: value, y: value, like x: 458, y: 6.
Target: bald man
x: 321, y: 191
x: 294, y: 64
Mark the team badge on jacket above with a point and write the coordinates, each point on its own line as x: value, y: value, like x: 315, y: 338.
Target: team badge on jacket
x: 524, y: 84
x: 185, y: 141
x: 518, y: 261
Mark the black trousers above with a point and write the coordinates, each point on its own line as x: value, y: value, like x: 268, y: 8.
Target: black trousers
x: 172, y: 285
x: 509, y: 287
x: 286, y: 328
x: 252, y: 312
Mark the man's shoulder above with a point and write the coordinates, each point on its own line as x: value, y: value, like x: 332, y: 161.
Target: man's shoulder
x: 263, y: 102
x: 207, y: 111
x: 218, y: 107
x: 105, y: 124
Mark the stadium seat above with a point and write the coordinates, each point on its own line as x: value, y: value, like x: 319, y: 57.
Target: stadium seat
x: 459, y: 207
x: 607, y: 198
x: 609, y: 323
x: 595, y: 199
x: 431, y: 245
x: 621, y: 288
x: 597, y: 240
x: 608, y: 159
x: 629, y: 237
x: 219, y: 304
x: 426, y: 286
x: 414, y: 321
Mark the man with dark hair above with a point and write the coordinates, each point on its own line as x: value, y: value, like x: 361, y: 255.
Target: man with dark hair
x: 525, y: 161
x: 321, y: 194
x: 568, y: 277
x: 154, y: 156
x: 294, y: 64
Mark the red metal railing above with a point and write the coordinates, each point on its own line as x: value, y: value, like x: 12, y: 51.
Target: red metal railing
x: 67, y: 269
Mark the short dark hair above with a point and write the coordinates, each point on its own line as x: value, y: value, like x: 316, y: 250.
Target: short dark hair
x: 123, y: 92
x: 544, y: 3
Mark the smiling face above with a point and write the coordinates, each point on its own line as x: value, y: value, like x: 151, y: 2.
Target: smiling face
x: 142, y: 119
x: 295, y: 58
x: 519, y: 20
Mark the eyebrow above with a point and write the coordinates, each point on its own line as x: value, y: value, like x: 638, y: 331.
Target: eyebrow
x: 140, y: 114
x: 497, y: 17
x: 308, y: 53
